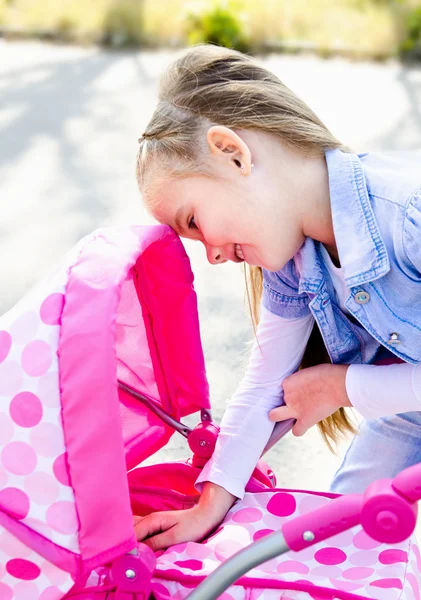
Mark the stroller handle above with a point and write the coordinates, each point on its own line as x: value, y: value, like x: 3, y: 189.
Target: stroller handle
x: 387, y: 512
x: 215, y: 584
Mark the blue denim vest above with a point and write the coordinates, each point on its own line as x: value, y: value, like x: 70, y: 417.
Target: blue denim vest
x: 376, y: 211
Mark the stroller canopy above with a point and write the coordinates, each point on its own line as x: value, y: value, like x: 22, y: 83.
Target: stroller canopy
x: 120, y: 307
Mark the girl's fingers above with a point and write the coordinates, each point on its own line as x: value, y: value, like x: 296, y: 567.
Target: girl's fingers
x: 137, y: 519
x: 282, y: 413
x: 154, y: 523
x: 162, y: 541
x: 298, y: 429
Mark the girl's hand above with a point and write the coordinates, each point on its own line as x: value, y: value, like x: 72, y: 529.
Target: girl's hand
x: 163, y: 529
x: 311, y: 395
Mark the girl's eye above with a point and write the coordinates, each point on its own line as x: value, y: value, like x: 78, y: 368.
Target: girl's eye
x: 192, y: 224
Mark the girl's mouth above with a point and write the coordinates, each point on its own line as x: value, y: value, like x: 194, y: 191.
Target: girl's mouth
x: 238, y: 252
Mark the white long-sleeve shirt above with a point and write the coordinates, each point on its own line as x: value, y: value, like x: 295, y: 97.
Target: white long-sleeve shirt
x: 245, y: 427
x: 374, y: 391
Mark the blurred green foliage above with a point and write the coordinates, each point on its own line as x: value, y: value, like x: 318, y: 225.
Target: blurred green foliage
x: 218, y: 24
x: 355, y: 28
x: 411, y: 46
x: 123, y: 23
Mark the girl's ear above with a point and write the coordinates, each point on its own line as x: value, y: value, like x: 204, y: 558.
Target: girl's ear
x: 228, y: 146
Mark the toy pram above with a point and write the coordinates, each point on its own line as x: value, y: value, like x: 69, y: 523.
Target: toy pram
x: 98, y: 364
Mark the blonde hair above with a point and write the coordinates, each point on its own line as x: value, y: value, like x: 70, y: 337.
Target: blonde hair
x: 210, y: 85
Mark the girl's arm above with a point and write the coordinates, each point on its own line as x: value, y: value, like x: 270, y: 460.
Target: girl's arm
x: 245, y: 430
x: 245, y: 427
x: 382, y: 390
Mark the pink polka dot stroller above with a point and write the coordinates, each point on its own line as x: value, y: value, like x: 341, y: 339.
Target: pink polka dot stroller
x: 98, y: 365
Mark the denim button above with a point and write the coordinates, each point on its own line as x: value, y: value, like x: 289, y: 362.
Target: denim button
x: 361, y: 297
x: 394, y: 339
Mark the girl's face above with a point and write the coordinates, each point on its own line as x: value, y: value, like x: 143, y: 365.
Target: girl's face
x: 252, y: 213
x: 231, y: 221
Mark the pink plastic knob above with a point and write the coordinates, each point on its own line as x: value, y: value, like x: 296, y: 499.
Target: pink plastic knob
x: 387, y: 520
x: 202, y: 440
x: 387, y: 516
x: 132, y: 574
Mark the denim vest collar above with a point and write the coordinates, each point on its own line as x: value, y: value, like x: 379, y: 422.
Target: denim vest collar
x: 361, y: 250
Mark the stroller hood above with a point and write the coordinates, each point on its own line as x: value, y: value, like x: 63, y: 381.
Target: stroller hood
x: 120, y: 307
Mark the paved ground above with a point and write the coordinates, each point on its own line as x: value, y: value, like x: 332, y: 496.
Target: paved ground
x: 69, y: 121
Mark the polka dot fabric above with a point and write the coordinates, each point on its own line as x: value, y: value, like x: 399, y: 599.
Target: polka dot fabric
x: 350, y: 565
x: 34, y: 486
x: 25, y: 575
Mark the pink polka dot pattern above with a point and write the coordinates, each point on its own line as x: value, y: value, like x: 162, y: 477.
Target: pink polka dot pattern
x: 293, y: 566
x: 6, y: 592
x: 226, y: 548
x: 160, y: 590
x: 413, y: 586
x: 51, y: 309
x: 36, y: 358
x: 282, y: 505
x: 31, y: 435
x: 15, y: 502
x: 51, y: 593
x: 330, y: 556
x: 199, y: 551
x: 192, y: 565
x: 61, y: 517
x: 310, y: 502
x: 40, y: 527
x: 387, y: 583
x: 357, y: 573
x: 364, y: 558
x: 26, y: 409
x: 11, y: 378
x: 47, y: 439
x: 362, y: 541
x: 26, y: 574
x: 19, y: 458
x: 6, y: 429
x: 347, y: 568
x: 11, y: 547
x: 389, y: 557
x: 24, y: 590
x: 417, y: 554
x: 41, y: 487
x: 326, y: 571
x: 60, y: 469
x: 22, y: 569
x: 179, y: 548
x: 262, y: 533
x: 55, y: 575
x: 3, y: 477
x: 47, y: 389
x: 347, y: 586
x: 248, y: 515
x: 24, y: 328
x: 5, y: 344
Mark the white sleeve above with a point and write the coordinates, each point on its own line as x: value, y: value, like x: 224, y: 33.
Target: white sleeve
x: 382, y: 390
x: 245, y: 427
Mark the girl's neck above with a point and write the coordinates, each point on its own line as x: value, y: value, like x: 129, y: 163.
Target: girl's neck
x: 317, y: 213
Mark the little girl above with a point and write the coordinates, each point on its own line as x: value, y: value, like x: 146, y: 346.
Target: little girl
x: 234, y: 159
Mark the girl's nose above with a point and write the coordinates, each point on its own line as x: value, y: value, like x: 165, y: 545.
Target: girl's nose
x: 214, y: 254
